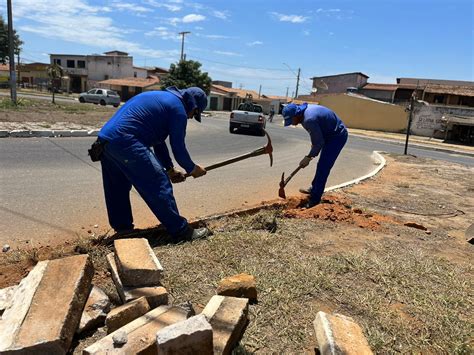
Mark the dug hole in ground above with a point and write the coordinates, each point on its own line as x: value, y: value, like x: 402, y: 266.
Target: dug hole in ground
x: 389, y: 252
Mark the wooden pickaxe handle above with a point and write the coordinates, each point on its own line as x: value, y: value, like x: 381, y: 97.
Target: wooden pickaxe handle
x: 284, y: 182
x: 268, y: 149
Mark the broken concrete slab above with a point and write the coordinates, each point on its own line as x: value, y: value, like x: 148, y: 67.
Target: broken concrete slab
x: 191, y: 336
x: 6, y: 296
x: 241, y: 285
x: 47, y: 307
x: 155, y: 295
x: 95, y: 310
x: 137, y: 263
x: 126, y: 313
x: 141, y: 333
x: 228, y: 317
x: 338, y: 334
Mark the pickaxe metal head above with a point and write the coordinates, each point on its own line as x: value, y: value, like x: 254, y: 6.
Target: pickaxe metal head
x: 269, y: 148
x: 281, y: 191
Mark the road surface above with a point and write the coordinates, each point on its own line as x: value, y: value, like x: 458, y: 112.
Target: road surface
x: 50, y: 190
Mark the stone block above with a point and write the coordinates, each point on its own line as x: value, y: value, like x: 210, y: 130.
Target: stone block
x: 155, y: 295
x: 191, y: 336
x: 42, y: 133
x: 95, y: 310
x: 228, y: 317
x: 241, y: 285
x: 93, y: 133
x: 137, y: 263
x: 4, y: 134
x: 6, y: 297
x: 78, y: 133
x: 140, y: 333
x: 47, y: 307
x: 338, y: 334
x: 124, y: 314
x: 62, y: 133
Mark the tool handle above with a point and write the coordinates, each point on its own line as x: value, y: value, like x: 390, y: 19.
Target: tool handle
x: 291, y: 175
x: 255, y: 153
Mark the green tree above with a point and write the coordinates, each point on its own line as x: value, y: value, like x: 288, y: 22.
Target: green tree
x: 187, y: 73
x: 55, y: 72
x: 4, y: 53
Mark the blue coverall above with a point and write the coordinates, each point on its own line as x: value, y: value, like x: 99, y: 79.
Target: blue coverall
x: 145, y: 121
x: 328, y: 136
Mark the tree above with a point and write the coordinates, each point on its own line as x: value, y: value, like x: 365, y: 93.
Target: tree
x: 4, y: 53
x: 187, y: 73
x: 55, y: 72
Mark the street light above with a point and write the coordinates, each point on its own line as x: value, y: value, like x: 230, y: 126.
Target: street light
x: 182, y: 42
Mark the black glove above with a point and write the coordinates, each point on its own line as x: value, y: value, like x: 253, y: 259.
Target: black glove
x: 175, y: 175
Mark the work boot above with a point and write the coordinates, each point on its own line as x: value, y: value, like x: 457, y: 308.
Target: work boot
x: 310, y: 204
x: 191, y: 234
x: 306, y: 191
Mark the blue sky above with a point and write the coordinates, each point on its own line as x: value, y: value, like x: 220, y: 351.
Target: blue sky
x: 252, y: 43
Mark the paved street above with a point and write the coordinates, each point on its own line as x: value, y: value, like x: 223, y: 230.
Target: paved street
x: 51, y: 190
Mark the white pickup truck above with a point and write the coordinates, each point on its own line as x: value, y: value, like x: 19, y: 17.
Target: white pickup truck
x: 248, y: 116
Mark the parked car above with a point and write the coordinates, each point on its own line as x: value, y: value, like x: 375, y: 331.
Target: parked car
x: 100, y: 96
x: 248, y: 116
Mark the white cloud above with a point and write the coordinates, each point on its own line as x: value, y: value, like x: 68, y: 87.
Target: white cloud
x: 199, y: 28
x: 290, y: 18
x: 216, y: 36
x: 306, y: 32
x: 193, y: 18
x: 130, y: 7
x: 170, y: 6
x: 223, y: 15
x: 229, y: 54
x: 66, y: 21
x: 163, y: 33
x: 254, y: 43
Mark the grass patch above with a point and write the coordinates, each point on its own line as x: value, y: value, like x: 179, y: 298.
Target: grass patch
x: 405, y: 300
x: 7, y: 104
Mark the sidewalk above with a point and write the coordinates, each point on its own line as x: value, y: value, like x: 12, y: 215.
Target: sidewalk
x: 425, y: 142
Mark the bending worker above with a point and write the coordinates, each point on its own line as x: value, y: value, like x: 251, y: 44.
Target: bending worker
x: 328, y: 136
x: 127, y: 160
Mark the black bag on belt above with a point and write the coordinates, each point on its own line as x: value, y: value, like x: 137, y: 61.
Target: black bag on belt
x: 96, y: 151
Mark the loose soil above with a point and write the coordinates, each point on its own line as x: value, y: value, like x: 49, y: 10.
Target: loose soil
x: 410, y: 287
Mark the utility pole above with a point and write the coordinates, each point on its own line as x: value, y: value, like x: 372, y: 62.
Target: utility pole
x: 410, y: 118
x: 182, y: 43
x: 11, y: 53
x: 297, y: 82
x: 287, y: 88
x: 259, y: 91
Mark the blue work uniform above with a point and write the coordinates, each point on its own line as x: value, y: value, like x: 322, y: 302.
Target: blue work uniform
x: 328, y: 136
x: 145, y: 121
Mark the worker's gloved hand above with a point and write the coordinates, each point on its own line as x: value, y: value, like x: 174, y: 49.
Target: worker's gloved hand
x: 175, y: 175
x: 198, y: 171
x: 305, y: 162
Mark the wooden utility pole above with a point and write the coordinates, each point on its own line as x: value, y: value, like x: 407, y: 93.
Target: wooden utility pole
x: 410, y: 118
x: 287, y: 88
x: 182, y: 43
x: 297, y: 82
x: 11, y: 53
x: 259, y: 91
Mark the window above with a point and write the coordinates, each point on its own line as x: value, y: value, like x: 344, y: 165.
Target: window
x: 106, y: 77
x: 91, y: 91
x: 70, y: 64
x: 57, y: 61
x: 99, y: 92
x: 134, y: 74
x: 81, y: 64
x: 438, y: 99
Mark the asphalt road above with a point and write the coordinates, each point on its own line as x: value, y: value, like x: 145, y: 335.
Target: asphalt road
x: 51, y: 191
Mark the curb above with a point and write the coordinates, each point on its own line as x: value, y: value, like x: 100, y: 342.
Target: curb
x: 18, y: 133
x: 377, y: 158
x: 415, y: 145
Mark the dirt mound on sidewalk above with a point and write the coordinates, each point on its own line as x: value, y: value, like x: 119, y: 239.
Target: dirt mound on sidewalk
x: 337, y: 209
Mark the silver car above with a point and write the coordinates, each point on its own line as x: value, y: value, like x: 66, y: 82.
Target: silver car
x: 100, y: 96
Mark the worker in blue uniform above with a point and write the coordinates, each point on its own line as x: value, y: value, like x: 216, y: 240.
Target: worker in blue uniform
x: 328, y: 136
x: 127, y: 159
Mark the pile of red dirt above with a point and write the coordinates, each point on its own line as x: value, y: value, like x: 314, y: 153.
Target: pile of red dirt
x: 337, y: 209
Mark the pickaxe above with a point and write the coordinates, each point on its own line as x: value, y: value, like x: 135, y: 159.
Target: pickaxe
x: 283, y: 182
x: 267, y: 149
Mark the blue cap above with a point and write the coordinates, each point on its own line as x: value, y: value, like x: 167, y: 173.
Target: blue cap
x: 292, y: 110
x: 200, y: 100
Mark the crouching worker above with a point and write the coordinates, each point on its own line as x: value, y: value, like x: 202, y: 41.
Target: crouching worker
x: 328, y: 135
x: 127, y: 159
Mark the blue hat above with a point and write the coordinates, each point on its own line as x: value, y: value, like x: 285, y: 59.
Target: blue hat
x: 292, y: 110
x: 200, y: 99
